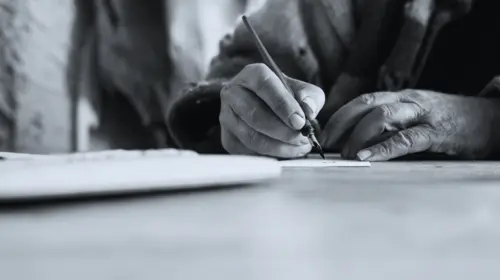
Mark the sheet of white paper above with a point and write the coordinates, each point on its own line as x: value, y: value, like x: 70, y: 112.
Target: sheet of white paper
x: 84, y: 174
x: 323, y: 163
x: 11, y: 156
x: 332, y: 160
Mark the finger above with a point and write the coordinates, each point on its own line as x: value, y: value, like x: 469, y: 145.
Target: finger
x: 378, y: 139
x: 258, y: 115
x: 233, y: 145
x: 259, y: 79
x: 413, y: 140
x: 260, y: 143
x: 386, y: 117
x: 381, y: 138
x: 310, y: 97
x: 351, y: 113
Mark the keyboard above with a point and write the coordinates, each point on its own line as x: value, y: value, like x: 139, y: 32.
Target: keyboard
x: 25, y: 176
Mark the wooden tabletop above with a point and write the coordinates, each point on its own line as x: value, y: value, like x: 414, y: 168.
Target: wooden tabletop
x: 396, y: 220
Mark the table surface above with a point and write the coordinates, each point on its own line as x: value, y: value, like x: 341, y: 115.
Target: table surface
x: 394, y: 220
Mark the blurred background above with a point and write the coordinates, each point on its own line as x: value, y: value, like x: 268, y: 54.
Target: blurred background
x: 86, y: 74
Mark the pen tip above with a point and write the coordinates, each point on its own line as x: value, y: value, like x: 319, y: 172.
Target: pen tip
x: 318, y: 146
x: 321, y: 153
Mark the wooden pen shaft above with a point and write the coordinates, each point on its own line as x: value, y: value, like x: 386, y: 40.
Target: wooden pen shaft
x: 308, y: 129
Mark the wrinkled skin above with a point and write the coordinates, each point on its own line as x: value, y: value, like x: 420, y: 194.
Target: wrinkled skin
x: 417, y: 121
x: 259, y: 116
x: 393, y: 124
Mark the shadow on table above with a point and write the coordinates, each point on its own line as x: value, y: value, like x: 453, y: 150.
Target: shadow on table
x: 79, y: 199
x: 441, y: 157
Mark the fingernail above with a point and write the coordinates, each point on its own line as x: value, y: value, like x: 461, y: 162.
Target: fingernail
x: 364, y: 155
x: 297, y: 121
x: 311, y: 104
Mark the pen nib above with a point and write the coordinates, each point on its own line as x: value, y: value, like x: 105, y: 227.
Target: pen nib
x: 321, y: 153
x: 317, y: 146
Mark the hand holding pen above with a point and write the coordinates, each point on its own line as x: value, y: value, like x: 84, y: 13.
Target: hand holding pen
x: 262, y: 115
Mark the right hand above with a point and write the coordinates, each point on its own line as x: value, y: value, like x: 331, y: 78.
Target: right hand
x: 260, y: 117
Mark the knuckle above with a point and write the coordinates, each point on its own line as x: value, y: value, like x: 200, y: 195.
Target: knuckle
x: 319, y: 96
x: 225, y: 91
x: 380, y: 95
x: 412, y: 137
x: 261, y: 67
x: 248, y: 68
x: 262, y: 80
x: 417, y: 110
x: 407, y: 139
x: 313, y: 92
x: 385, y: 110
x: 384, y: 150
x: 412, y: 94
x: 255, y: 68
x: 265, y: 79
x: 366, y: 98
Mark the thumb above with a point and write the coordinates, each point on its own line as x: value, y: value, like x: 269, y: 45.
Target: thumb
x: 310, y: 97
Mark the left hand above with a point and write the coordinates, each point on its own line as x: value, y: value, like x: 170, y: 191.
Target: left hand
x: 419, y: 121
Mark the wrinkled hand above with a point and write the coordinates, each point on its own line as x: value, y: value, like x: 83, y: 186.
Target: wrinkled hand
x: 259, y: 116
x: 417, y: 121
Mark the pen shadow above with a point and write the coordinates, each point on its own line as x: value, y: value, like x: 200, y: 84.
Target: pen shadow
x: 29, y: 204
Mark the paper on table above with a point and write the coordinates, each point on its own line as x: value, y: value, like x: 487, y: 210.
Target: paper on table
x: 332, y: 160
x: 11, y: 156
x: 101, y: 174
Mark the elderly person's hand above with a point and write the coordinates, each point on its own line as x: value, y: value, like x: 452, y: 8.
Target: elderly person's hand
x: 418, y: 121
x: 259, y: 116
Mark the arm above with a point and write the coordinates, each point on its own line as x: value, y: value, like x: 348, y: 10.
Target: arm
x: 192, y: 117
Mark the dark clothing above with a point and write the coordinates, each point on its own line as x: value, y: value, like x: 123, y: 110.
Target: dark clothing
x: 309, y: 41
x: 466, y: 55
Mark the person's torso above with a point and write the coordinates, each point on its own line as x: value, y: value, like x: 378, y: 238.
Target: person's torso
x: 466, y: 55
x: 463, y: 59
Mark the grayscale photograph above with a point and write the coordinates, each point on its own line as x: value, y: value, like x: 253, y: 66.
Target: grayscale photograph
x: 250, y: 139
